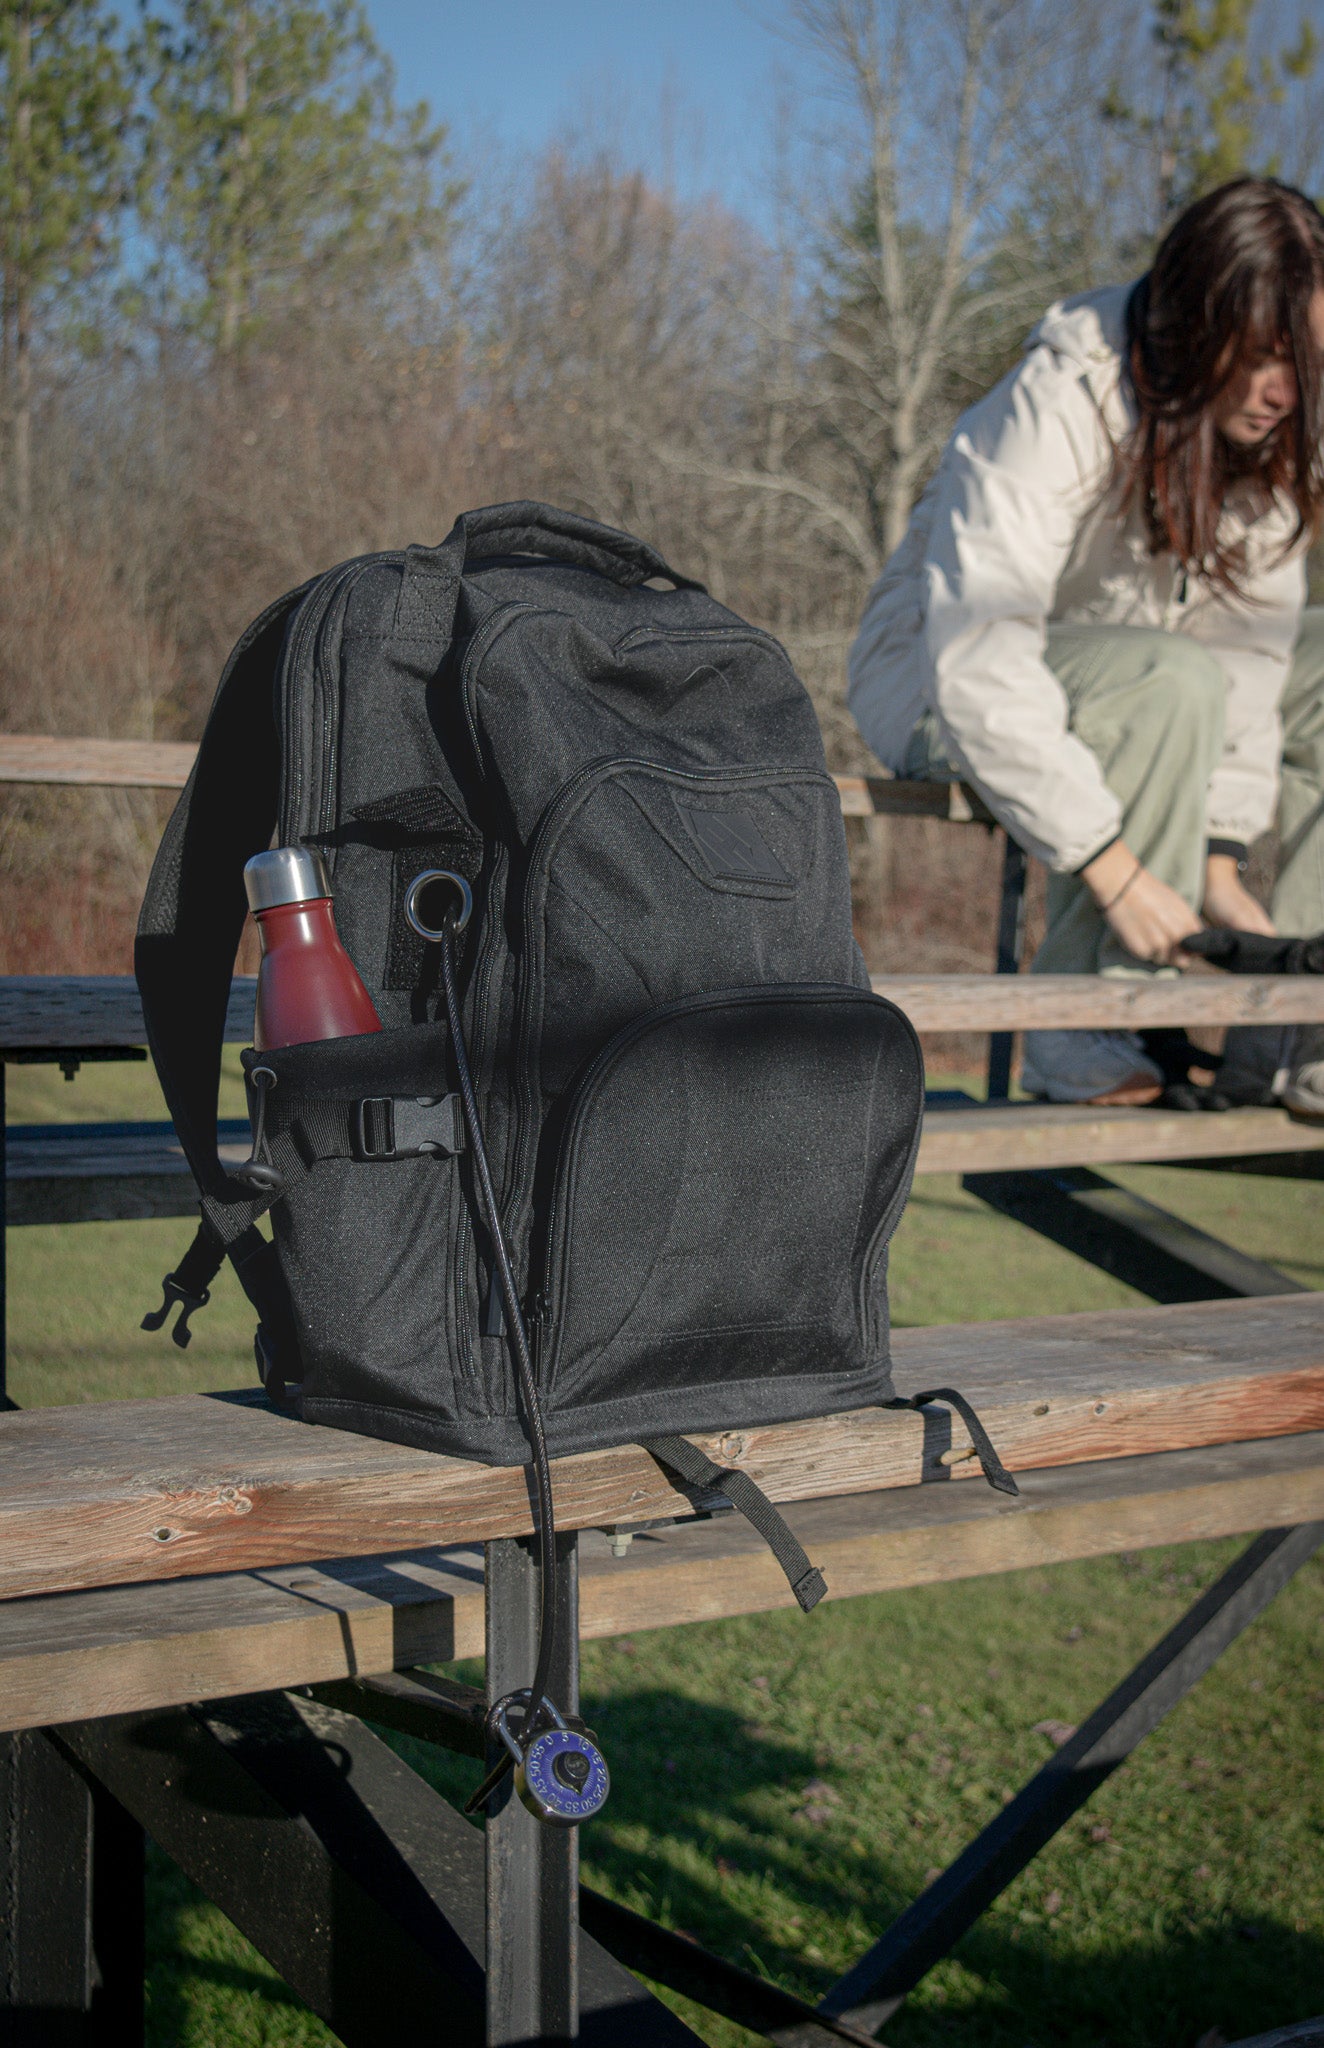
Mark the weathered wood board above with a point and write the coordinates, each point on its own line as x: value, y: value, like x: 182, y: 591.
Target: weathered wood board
x: 70, y: 1656
x: 82, y: 1173
x: 991, y: 1137
x: 165, y: 764
x: 85, y: 1175
x: 1031, y: 1002
x: 106, y: 764
x: 169, y: 1488
x: 39, y: 1010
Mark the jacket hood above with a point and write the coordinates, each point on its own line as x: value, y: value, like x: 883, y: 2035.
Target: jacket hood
x: 1089, y: 328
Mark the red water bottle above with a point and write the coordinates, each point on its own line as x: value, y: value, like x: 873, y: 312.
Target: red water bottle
x: 307, y: 985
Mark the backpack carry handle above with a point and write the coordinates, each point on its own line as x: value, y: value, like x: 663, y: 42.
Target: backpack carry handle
x: 430, y: 584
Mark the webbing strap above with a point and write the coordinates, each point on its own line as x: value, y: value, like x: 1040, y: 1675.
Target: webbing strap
x: 371, y: 1129
x: 991, y: 1464
x: 696, y: 1469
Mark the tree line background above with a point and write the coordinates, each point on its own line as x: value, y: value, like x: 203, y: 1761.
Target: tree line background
x: 259, y: 314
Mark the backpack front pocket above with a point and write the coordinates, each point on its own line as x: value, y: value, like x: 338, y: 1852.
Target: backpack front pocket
x: 728, y: 1173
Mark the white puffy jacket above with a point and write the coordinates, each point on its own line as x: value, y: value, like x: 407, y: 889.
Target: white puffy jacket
x: 1016, y: 532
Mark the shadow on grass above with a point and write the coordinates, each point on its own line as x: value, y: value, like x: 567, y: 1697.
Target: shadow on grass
x: 716, y: 1826
x: 729, y: 1823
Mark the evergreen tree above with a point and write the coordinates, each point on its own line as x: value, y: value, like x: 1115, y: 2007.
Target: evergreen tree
x: 275, y: 159
x: 63, y: 116
x: 1217, y: 97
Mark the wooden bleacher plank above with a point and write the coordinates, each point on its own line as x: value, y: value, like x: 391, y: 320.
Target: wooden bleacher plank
x: 73, y: 1656
x: 916, y: 1536
x: 70, y: 1656
x: 90, y: 1174
x: 86, y: 1173
x: 1028, y: 1002
x: 175, y: 1487
x: 871, y: 796
x: 105, y: 764
x: 99, y: 1173
x: 995, y: 1137
x: 165, y: 764
x: 38, y: 1010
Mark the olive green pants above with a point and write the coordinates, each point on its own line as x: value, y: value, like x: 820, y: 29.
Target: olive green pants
x: 1150, y: 706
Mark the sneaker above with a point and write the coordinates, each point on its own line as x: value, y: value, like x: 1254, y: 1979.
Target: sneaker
x: 1090, y: 1066
x: 1255, y: 1064
x: 1302, y: 1089
x: 1264, y: 1064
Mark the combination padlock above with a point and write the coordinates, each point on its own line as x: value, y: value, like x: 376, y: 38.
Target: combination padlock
x: 560, y: 1773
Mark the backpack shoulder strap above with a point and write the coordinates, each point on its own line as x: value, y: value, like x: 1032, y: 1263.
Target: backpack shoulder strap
x: 188, y: 934
x: 194, y: 906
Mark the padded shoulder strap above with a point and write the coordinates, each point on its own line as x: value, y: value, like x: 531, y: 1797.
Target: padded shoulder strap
x: 194, y: 907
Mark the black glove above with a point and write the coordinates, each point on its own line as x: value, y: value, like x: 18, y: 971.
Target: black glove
x: 1250, y: 953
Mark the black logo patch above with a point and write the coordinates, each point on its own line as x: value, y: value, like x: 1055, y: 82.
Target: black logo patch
x: 733, y: 846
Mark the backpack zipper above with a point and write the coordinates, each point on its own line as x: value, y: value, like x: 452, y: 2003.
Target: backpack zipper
x: 310, y: 625
x: 638, y: 634
x: 473, y: 655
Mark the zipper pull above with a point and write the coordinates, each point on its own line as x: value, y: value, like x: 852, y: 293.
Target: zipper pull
x: 535, y: 1317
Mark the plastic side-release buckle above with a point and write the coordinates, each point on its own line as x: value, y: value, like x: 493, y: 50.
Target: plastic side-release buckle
x: 406, y: 1126
x: 172, y: 1293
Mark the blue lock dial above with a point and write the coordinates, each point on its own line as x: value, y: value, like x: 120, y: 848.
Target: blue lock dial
x: 563, y: 1777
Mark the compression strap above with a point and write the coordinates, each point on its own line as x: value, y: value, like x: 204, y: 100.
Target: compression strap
x: 697, y: 1469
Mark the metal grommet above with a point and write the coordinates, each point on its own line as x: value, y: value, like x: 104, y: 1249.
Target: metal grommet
x: 425, y: 881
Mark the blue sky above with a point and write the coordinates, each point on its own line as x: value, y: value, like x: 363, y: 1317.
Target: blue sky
x: 687, y: 85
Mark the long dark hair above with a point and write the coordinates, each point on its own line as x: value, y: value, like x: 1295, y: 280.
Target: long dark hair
x: 1232, y: 282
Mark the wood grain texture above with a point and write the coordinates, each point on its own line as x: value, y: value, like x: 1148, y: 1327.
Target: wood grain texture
x: 106, y: 764
x: 83, y: 1176
x: 71, y: 1656
x: 883, y: 1542
x: 1021, y: 1002
x: 170, y: 1488
x: 988, y: 1137
x: 81, y: 1655
x: 103, y: 1009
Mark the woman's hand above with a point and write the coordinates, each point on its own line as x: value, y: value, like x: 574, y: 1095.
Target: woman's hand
x: 1148, y: 917
x: 1227, y: 902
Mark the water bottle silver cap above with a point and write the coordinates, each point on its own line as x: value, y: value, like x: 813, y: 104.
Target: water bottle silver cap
x: 288, y: 874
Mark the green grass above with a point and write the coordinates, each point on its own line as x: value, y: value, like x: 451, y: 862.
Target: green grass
x: 1188, y: 1895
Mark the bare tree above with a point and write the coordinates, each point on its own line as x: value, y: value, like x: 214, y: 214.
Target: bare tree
x: 919, y: 270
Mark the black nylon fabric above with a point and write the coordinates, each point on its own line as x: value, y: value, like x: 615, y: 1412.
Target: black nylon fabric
x: 701, y: 1124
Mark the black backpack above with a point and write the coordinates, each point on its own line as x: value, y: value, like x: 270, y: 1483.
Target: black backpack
x: 701, y: 1124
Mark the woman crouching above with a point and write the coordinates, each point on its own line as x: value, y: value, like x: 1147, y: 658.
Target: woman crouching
x: 1095, y: 618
